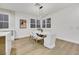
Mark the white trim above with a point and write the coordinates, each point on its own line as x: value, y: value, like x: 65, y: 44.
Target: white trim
x: 65, y: 39
x: 21, y: 37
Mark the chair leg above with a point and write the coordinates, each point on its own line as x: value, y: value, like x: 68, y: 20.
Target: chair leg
x: 36, y: 43
x: 30, y: 37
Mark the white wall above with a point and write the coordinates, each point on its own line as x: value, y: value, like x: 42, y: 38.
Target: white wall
x: 25, y: 32
x: 22, y: 32
x: 64, y: 22
x: 11, y: 21
x: 11, y: 17
x: 67, y: 23
x: 14, y: 23
x: 53, y: 24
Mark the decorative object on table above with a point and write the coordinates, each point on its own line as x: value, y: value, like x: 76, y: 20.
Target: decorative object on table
x: 40, y: 29
x: 40, y: 35
x: 22, y: 23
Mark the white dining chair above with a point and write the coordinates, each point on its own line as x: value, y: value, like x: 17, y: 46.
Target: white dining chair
x: 35, y: 37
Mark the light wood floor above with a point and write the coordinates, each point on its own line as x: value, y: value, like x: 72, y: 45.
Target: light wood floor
x: 25, y: 46
x: 2, y: 45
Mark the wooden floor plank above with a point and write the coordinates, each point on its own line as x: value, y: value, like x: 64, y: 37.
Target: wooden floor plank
x: 28, y: 47
x: 2, y: 45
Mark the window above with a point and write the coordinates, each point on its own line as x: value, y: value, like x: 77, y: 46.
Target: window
x: 46, y: 23
x: 32, y: 23
x: 38, y: 24
x: 35, y: 23
x: 43, y: 24
x: 49, y: 23
x: 4, y: 21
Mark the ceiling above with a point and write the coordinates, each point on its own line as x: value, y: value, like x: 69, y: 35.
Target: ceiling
x: 31, y: 9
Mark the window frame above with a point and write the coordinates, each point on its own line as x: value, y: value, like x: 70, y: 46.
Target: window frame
x: 48, y: 23
x: 3, y: 21
x: 31, y: 23
x: 44, y: 22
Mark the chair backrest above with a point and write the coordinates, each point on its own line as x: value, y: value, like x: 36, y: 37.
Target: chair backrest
x: 34, y: 34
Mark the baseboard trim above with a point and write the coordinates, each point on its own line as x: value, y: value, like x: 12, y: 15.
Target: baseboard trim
x: 58, y: 37
x: 65, y: 39
x: 21, y: 37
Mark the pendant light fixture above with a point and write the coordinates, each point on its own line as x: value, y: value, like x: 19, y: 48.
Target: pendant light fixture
x: 39, y: 7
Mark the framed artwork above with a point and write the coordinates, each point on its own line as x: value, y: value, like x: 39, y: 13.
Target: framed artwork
x: 22, y: 23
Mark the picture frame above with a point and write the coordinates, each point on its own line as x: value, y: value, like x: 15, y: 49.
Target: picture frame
x: 23, y: 23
